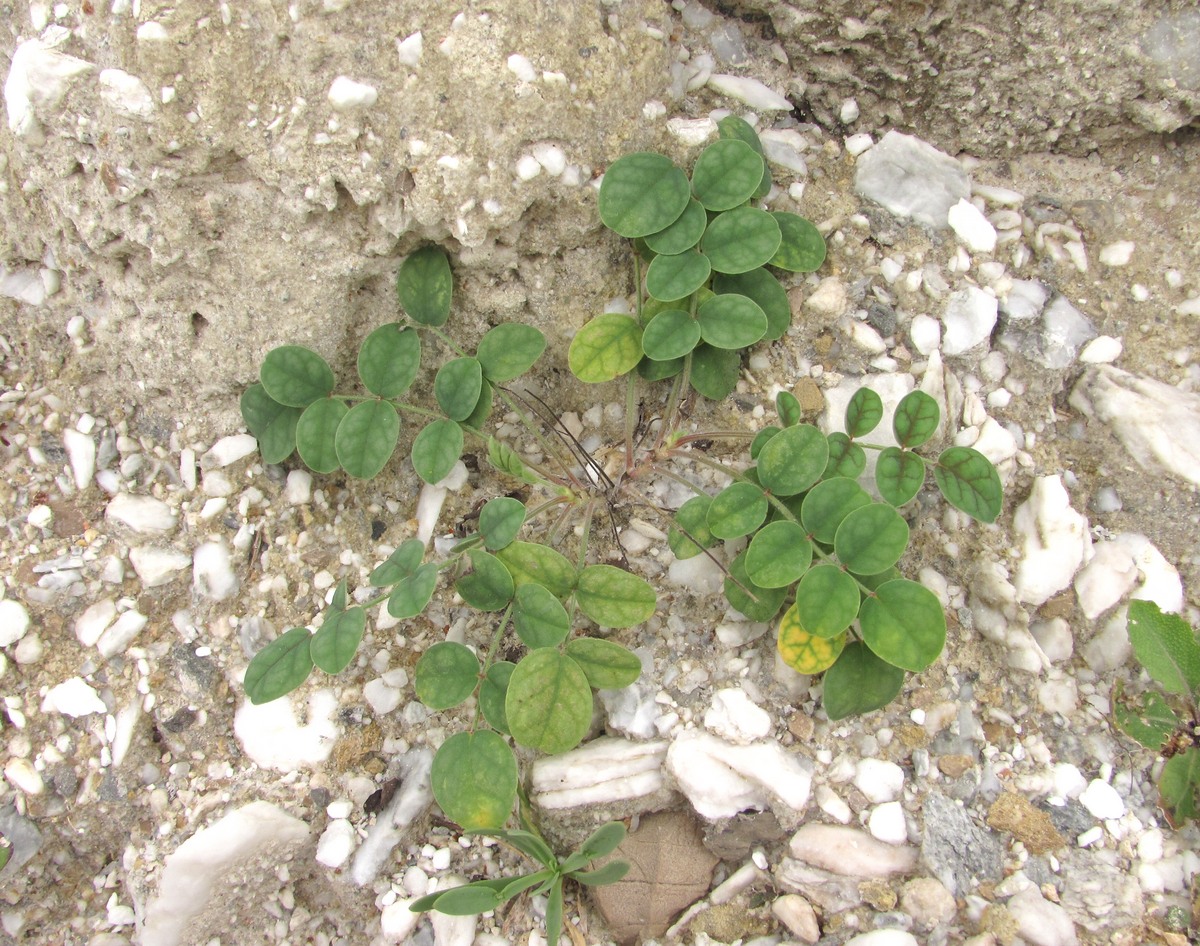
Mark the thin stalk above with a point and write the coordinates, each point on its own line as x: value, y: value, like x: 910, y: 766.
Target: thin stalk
x: 535, y: 431
x: 445, y: 339
x: 630, y: 417
x: 679, y: 389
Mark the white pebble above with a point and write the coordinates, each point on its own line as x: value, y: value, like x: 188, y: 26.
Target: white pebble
x: 522, y: 68
x: 832, y: 804
x: 397, y: 921
x: 926, y: 333
x: 143, y: 514
x: 94, y: 621
x: 212, y: 571
x: 121, y: 634
x: 1117, y: 254
x: 156, y: 566
x: 879, y: 780
x: 1040, y: 922
x: 969, y: 317
x: 346, y: 94
x: 410, y: 49
x: 1102, y: 800
x: 1054, y: 538
x: 734, y: 717
x: 750, y: 91
x: 1102, y: 350
x: 883, y: 938
x: 81, y: 452
x: 73, y: 698
x: 849, y: 111
x: 858, y: 144
x: 381, y: 697
x: 1189, y: 307
x: 14, y: 622
x: 228, y: 450
x: 972, y: 227
x: 337, y: 843
x: 151, y: 31
x: 126, y: 93
x: 887, y: 823
x: 40, y: 517
x: 22, y: 774
x: 271, y: 735
x: 692, y: 131
x: 797, y: 914
x: 528, y: 167
x: 298, y: 491
x: 441, y: 859
x: 550, y: 157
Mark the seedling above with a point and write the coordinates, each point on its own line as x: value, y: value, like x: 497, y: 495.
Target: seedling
x: 484, y: 895
x: 1169, y: 721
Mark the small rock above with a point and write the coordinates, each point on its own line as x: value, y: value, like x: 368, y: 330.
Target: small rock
x: 955, y: 766
x: 81, y: 452
x: 887, y: 823
x: 22, y: 774
x: 397, y: 921
x: 410, y: 49
x: 797, y: 914
x: 120, y: 634
x: 883, y: 938
x: 750, y: 91
x: 381, y: 697
x: 721, y: 780
x: 955, y: 850
x: 94, y: 621
x: 928, y: 902
x: 879, y: 780
x: 1032, y: 826
x: 212, y: 571
x: 1040, y: 922
x: 1054, y: 538
x: 298, y: 491
x: 832, y: 804
x: 1101, y: 350
x: 829, y: 300
x: 734, y: 717
x: 925, y: 332
x: 1106, y: 579
x: 1102, y: 800
x: 911, y: 178
x: 603, y: 771
x: 972, y: 227
x: 851, y: 852
x: 337, y: 843
x: 1117, y: 254
x: 1025, y: 300
x: 14, y: 621
x: 271, y: 735
x: 143, y: 514
x: 345, y: 94
x: 969, y: 317
x: 157, y: 566
x: 126, y: 93
x: 73, y: 698
x: 228, y: 450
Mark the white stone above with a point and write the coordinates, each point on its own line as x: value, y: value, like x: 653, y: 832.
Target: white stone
x: 698, y: 574
x: 381, y: 697
x: 692, y: 131
x: 40, y: 516
x: 81, y: 452
x: 928, y: 902
x: 751, y: 91
x: 1025, y: 300
x: 734, y: 717
x: 397, y: 921
x: 867, y: 338
x: 522, y: 68
x: 879, y: 780
x: 603, y: 771
x: 850, y: 852
x: 1189, y: 306
x: 337, y: 843
x: 38, y: 79
x: 1102, y: 800
x: 94, y: 621
x: 911, y: 178
x: 1101, y: 350
x: 346, y: 94
x: 126, y: 93
x: 926, y: 333
x: 157, y: 566
x: 1110, y: 648
x: 453, y: 930
x: 1117, y: 254
x: 1106, y: 579
x: 1054, y: 541
x: 886, y: 823
x: 14, y: 621
x: 1040, y: 922
x: 1068, y: 781
x: 22, y: 774
x: 143, y: 514
x: 972, y: 227
x: 858, y: 144
x: 1058, y: 696
x: 228, y: 450
x: 969, y: 317
x: 271, y: 735
x: 73, y: 698
x: 849, y: 111
x: 1160, y: 581
x: 1055, y: 639
x: 151, y: 31
x: 410, y: 49
x: 551, y: 157
x: 121, y: 634
x: 298, y: 491
x: 721, y: 780
x: 832, y: 804
x: 1158, y: 424
x: 212, y: 571
x: 528, y: 167
x: 829, y: 299
x: 883, y: 938
x: 196, y: 869
x: 797, y: 914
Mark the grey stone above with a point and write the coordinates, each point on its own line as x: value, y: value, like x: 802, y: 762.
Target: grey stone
x: 23, y: 835
x: 955, y: 850
x: 1053, y: 340
x: 911, y: 178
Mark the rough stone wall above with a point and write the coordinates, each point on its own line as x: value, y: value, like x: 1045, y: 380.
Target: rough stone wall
x: 994, y: 76
x: 210, y: 200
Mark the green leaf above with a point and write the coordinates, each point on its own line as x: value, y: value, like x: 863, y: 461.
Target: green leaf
x: 500, y: 521
x: 859, y: 682
x: 793, y: 460
x: 316, y: 434
x: 530, y: 562
x: 492, y: 693
x: 801, y: 247
x: 788, y: 408
x: 610, y: 873
x: 446, y: 674
x: 507, y: 351
x: 549, y: 702
x: 521, y: 884
x: 603, y: 841
x: 828, y: 504
x: 487, y: 586
x: 871, y: 539
x: 295, y: 376
x: 726, y: 174
x: 969, y: 482
x: 466, y: 900
x: 739, y: 589
x: 690, y: 527
x: 483, y: 407
x: 457, y: 386
x: 916, y: 419
x: 436, y: 449
x: 903, y: 623
x: 778, y: 555
x: 1166, y: 646
x: 279, y: 667
x: 642, y: 193
x: 731, y: 321
x: 608, y: 346
x: 731, y: 126
x: 670, y: 334
x: 1178, y: 784
x: 539, y: 617
x: 5, y: 851
x: 670, y: 278
x: 899, y: 475
x: 412, y: 594
x: 1150, y: 720
x: 474, y: 779
x: 761, y: 286
x: 272, y: 424
x: 335, y: 644
x: 761, y: 439
x: 737, y: 510
x: 366, y: 438
x: 554, y: 911
x: 650, y: 370
x: 863, y: 412
x: 529, y: 844
x: 683, y: 234
x: 612, y: 597
x: 607, y: 665
x: 425, y: 286
x: 715, y: 371
x: 503, y: 458
x: 740, y: 240
x: 846, y: 458
x: 389, y: 359
x: 338, y: 602
x: 827, y: 601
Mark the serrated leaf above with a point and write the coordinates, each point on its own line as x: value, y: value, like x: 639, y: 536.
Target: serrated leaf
x: 740, y: 240
x: 903, y: 623
x: 608, y: 346
x: 917, y: 417
x: 532, y: 562
x: 425, y: 286
x: 863, y: 412
x: 801, y: 246
x: 334, y: 645
x: 899, y: 475
x: 280, y: 667
x: 859, y: 682
x: 474, y: 780
x: 316, y: 434
x: 487, y: 585
x: 507, y: 351
x: 827, y: 601
x: 969, y: 482
x: 539, y: 618
x: 1166, y: 646
x: 642, y: 193
x: 366, y: 438
x: 549, y: 703
x: 412, y: 594
x: 457, y: 387
x: 607, y: 665
x: 295, y: 376
x: 389, y: 359
x: 871, y: 539
x: 436, y: 449
x: 272, y: 424
x: 612, y: 597
x: 446, y: 674
x: 399, y: 565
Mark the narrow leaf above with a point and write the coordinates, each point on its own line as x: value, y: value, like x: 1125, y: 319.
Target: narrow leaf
x: 610, y: 873
x: 280, y: 667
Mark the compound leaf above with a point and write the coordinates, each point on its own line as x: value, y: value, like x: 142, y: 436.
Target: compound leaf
x: 607, y: 665
x: 425, y: 286
x: 642, y: 193
x: 612, y: 597
x: 295, y: 376
x: 272, y: 424
x: 804, y: 652
x: 436, y: 449
x: 366, y: 438
x: 531, y: 562
x: 731, y: 321
x: 279, y: 667
x: 336, y: 642
x: 903, y: 622
x: 726, y: 174
x: 549, y: 703
x: 778, y: 555
x: 608, y: 346
x: 487, y: 585
x: 389, y: 359
x: 446, y: 674
x: 969, y: 482
x: 689, y: 534
x: 828, y: 504
x: 507, y: 351
x: 737, y: 510
x: 474, y: 780
x: 859, y: 682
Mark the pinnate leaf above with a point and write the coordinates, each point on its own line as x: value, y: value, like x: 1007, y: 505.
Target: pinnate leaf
x: 507, y: 351
x: 755, y: 602
x: 683, y: 234
x: 731, y: 321
x: 389, y: 359
x: 863, y: 412
x: 670, y: 334
x: 740, y: 240
x: 670, y: 278
x: 828, y: 504
x: 316, y: 434
x: 399, y: 565
x: 916, y: 419
x: 899, y: 475
x: 715, y: 371
x: 493, y: 691
x: 606, y: 664
x: 769, y: 294
x: 436, y: 449
x: 1150, y: 720
x: 446, y: 674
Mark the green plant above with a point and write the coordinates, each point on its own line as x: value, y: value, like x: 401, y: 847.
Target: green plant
x: 484, y: 895
x: 1169, y: 721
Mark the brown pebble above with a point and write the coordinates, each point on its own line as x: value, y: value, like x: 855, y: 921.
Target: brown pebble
x: 879, y: 894
x: 801, y: 726
x: 1032, y: 826
x: 955, y: 766
x: 808, y: 393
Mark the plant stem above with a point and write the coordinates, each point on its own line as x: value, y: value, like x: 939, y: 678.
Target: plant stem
x: 445, y: 339
x: 487, y: 660
x: 630, y: 415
